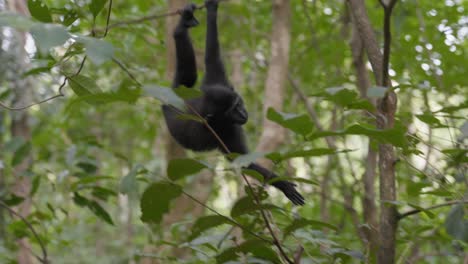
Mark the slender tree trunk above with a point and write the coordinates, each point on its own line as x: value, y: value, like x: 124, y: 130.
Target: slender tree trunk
x: 273, y: 135
x: 368, y: 201
x: 20, y: 127
x: 386, y: 118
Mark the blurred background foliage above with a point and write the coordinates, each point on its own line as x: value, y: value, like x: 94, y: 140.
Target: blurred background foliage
x: 96, y: 157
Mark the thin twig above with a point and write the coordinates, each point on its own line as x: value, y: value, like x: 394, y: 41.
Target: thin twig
x: 151, y: 17
x: 227, y: 218
x: 127, y: 71
x: 36, y: 236
x: 276, y: 241
x: 415, y: 211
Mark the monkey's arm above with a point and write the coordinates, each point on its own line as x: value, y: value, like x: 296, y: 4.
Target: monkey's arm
x: 214, y: 72
x: 186, y: 69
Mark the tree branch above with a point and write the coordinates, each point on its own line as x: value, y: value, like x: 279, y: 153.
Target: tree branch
x: 44, y: 259
x: 416, y: 211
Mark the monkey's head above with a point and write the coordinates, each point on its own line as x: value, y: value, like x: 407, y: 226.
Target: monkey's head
x: 237, y: 112
x: 225, y: 105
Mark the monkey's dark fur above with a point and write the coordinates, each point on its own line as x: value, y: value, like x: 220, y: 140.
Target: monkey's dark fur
x: 220, y: 105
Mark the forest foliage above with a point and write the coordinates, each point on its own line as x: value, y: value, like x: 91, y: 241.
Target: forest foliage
x: 102, y: 187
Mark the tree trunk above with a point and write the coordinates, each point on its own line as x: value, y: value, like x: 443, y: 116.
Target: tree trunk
x: 274, y: 135
x: 20, y: 127
x: 386, y: 118
x: 368, y: 201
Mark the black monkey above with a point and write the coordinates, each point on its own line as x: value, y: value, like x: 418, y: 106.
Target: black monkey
x: 220, y: 105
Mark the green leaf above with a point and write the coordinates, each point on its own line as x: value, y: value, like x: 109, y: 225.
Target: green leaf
x: 155, y: 200
x: 206, y: 222
x: 13, y: 200
x: 48, y: 36
x: 39, y: 11
x: 165, y: 95
x: 256, y: 247
x: 16, y: 21
x: 188, y: 93
x: 456, y: 225
x: 70, y: 17
x: 301, y: 223
x: 35, y: 185
x: 246, y: 205
x: 254, y: 174
x: 96, y: 208
x: 100, y: 212
x: 431, y: 120
x: 278, y: 157
x: 247, y: 159
x: 299, y: 124
x: 129, y: 184
x: 422, y: 209
x: 82, y: 85
x: 98, y: 50
x: 96, y: 6
x: 376, y: 92
x: 102, y: 193
x: 395, y: 136
x: 21, y: 153
x: 179, y: 168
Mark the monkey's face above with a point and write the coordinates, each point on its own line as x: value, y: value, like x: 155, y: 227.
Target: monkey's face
x: 237, y: 112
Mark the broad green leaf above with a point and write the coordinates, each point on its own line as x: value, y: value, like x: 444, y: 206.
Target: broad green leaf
x: 82, y: 85
x: 299, y: 124
x: 188, y: 93
x: 128, y: 184
x: 35, y: 185
x: 376, y: 92
x: 207, y: 222
x: 254, y: 174
x: 155, y: 200
x: 247, y: 159
x: 258, y: 248
x: 165, y: 95
x: 16, y: 21
x: 103, y: 193
x: 456, y: 224
x: 12, y: 200
x: 100, y: 212
x: 48, y: 36
x: 101, y: 98
x: 301, y: 223
x: 345, y: 254
x: 179, y: 168
x: 278, y: 157
x: 395, y: 136
x: 95, y: 207
x: 431, y: 120
x: 39, y: 11
x: 70, y: 17
x: 334, y: 90
x: 96, y: 6
x: 21, y: 153
x: 422, y: 209
x: 246, y: 205
x: 98, y: 50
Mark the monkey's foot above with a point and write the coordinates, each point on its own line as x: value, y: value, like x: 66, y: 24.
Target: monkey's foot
x: 289, y: 189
